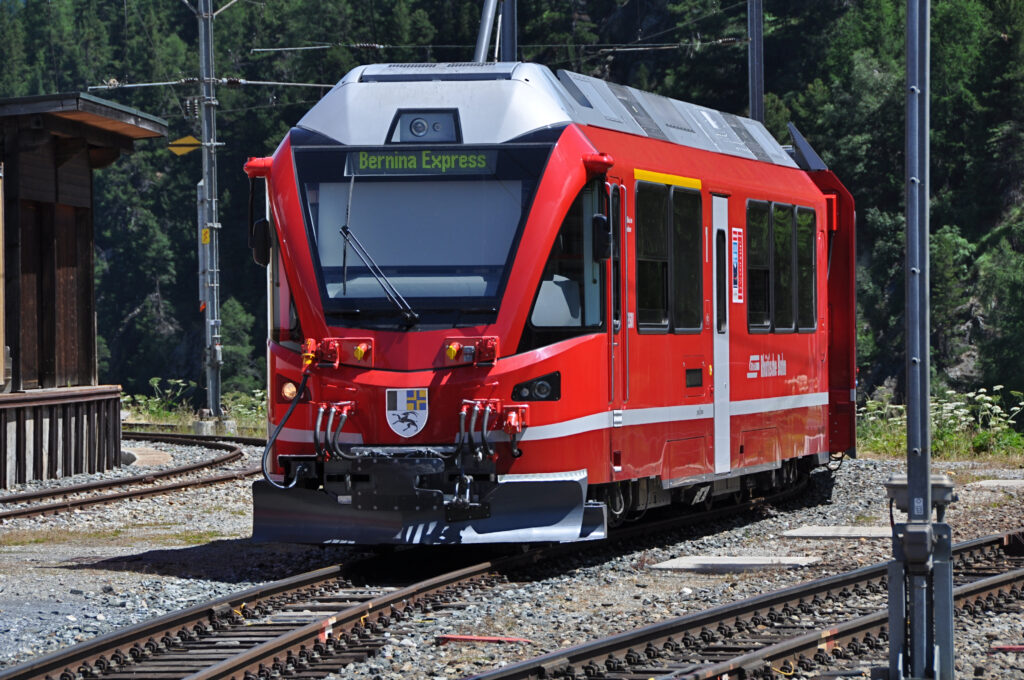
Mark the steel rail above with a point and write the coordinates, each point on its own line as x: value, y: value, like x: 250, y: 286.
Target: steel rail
x: 596, y: 651
x: 179, y: 437
x: 234, y: 453
x: 297, y: 643
x: 115, y: 648
x: 792, y: 649
x: 100, y: 650
x: 283, y: 651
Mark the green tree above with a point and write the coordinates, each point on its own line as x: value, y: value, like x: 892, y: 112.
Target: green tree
x: 952, y: 313
x: 14, y: 68
x: 242, y: 370
x: 1001, y: 274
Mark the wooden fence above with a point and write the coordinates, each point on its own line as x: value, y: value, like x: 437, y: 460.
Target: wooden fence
x: 51, y: 433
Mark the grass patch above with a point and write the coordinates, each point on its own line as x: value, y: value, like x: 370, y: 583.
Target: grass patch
x: 166, y: 533
x: 1004, y: 499
x: 965, y: 477
x: 18, y: 537
x: 191, y: 537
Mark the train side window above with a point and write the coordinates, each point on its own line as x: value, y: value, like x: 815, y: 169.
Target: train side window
x: 783, y: 264
x: 652, y: 256
x: 806, y: 239
x: 687, y: 279
x: 759, y: 261
x: 560, y: 297
x: 569, y: 300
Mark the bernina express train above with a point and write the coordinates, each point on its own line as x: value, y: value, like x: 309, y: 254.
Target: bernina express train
x: 509, y: 305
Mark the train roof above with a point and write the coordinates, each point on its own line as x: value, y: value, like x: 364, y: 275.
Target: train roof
x: 501, y: 101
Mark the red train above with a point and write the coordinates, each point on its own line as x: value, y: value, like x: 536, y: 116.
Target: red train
x: 508, y: 305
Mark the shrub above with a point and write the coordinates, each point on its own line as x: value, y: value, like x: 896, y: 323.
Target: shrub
x: 978, y: 422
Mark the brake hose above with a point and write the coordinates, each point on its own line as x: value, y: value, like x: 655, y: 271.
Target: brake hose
x: 483, y: 431
x: 277, y: 431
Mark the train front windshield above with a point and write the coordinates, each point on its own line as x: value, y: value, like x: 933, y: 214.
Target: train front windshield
x: 439, y: 225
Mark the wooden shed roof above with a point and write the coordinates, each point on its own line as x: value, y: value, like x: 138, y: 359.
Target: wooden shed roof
x: 89, y: 111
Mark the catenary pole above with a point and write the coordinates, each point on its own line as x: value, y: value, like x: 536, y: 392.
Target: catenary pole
x: 209, y: 224
x: 919, y: 536
x: 509, y: 23
x: 920, y: 576
x: 755, y: 59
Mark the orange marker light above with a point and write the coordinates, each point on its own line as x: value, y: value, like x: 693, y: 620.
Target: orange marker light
x: 308, y: 353
x: 453, y: 350
x: 289, y: 390
x: 361, y: 350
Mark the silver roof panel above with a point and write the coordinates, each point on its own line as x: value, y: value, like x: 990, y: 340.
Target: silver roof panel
x: 500, y: 101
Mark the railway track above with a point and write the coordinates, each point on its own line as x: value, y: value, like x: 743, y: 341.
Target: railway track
x: 316, y: 623
x: 66, y: 498
x: 301, y: 626
x: 830, y: 626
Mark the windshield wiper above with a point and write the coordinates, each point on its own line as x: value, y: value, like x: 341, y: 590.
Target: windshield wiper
x: 390, y: 292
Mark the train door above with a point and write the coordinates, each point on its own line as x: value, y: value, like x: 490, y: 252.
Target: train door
x: 618, y: 368
x: 720, y: 227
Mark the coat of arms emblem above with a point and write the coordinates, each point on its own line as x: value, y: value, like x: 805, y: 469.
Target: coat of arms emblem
x: 407, y: 411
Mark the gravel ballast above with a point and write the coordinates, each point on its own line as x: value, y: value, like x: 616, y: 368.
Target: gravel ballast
x: 69, y: 577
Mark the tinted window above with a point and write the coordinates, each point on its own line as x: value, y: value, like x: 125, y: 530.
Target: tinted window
x: 652, y: 254
x: 686, y: 263
x: 721, y: 283
x: 444, y: 240
x: 758, y: 266
x: 806, y: 231
x: 569, y: 300
x: 785, y: 289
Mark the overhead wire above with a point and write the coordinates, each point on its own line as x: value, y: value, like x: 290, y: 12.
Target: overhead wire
x: 599, y: 50
x: 633, y: 45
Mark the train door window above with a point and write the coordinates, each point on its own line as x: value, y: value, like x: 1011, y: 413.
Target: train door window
x: 284, y: 320
x: 615, y: 218
x: 759, y: 261
x: 687, y: 270
x: 652, y: 256
x: 806, y: 240
x: 569, y: 299
x: 721, y: 283
x: 783, y: 264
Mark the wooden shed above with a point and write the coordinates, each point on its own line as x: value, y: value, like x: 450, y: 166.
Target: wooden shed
x: 55, y: 419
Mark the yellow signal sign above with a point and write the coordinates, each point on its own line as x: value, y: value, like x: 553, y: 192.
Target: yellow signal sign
x: 180, y: 147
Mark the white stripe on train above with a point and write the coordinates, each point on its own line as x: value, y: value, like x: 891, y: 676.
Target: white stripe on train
x: 629, y: 417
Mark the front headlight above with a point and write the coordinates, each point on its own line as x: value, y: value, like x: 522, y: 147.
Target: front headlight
x: 545, y: 388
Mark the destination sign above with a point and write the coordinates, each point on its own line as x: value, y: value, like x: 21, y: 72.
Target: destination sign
x: 422, y: 162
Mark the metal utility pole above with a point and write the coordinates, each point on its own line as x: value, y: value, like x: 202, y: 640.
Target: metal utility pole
x: 755, y: 59
x: 509, y: 25
x: 483, y: 37
x: 209, y: 225
x: 921, y: 575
